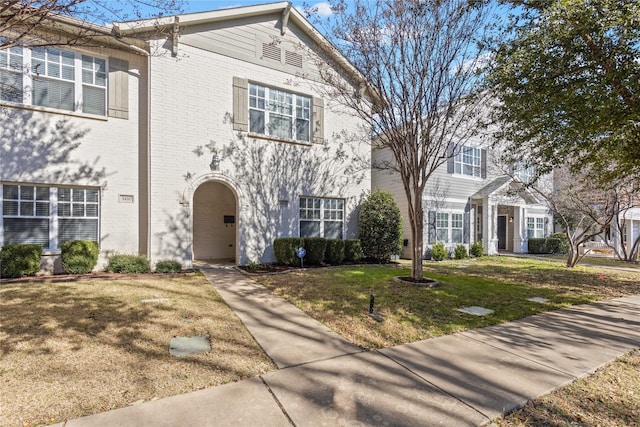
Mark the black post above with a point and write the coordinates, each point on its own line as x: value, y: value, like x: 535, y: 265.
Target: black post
x: 371, y: 304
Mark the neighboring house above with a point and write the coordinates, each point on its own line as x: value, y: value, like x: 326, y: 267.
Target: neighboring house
x: 211, y: 137
x: 471, y: 198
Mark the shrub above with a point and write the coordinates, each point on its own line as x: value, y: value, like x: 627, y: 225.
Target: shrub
x: 352, y: 250
x: 476, y: 249
x: 461, y: 252
x: 168, y: 266
x: 334, y: 254
x: 285, y: 250
x: 563, y: 246
x: 316, y: 247
x: 439, y: 252
x: 79, y: 256
x: 133, y: 264
x: 380, y: 225
x: 19, y: 260
x: 548, y: 245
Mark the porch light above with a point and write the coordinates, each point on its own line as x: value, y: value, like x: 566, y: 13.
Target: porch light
x: 510, y: 219
x: 215, y: 162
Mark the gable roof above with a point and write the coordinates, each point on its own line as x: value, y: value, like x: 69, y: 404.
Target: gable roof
x: 289, y: 15
x: 501, y: 183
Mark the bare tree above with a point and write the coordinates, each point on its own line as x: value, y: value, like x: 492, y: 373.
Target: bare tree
x: 626, y: 197
x: 52, y: 23
x: 579, y: 207
x: 420, y: 60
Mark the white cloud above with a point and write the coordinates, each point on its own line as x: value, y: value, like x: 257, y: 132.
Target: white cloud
x: 322, y: 9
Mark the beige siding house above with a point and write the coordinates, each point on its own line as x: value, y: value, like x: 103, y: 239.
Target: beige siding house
x: 470, y: 198
x: 225, y: 142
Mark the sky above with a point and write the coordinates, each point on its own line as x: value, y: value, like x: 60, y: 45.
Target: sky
x: 205, y: 5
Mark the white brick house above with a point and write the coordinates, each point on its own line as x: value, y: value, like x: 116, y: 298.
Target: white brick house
x: 224, y: 144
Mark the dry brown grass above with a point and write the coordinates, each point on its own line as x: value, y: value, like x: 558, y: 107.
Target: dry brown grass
x: 80, y: 347
x: 609, y: 397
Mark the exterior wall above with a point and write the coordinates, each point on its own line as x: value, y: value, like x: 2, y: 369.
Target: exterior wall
x: 52, y: 147
x: 191, y: 119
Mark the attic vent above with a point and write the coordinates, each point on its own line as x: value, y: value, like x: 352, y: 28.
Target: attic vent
x: 271, y: 51
x: 293, y: 59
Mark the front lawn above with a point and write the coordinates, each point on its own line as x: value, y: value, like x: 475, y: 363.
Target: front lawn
x: 75, y: 348
x: 339, y: 297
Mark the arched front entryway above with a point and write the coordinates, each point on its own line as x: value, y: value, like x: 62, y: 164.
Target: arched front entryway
x: 214, y: 222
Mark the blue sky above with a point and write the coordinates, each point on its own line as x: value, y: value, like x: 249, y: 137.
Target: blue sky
x: 203, y: 5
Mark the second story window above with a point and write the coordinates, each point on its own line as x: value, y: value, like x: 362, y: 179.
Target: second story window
x: 468, y: 161
x: 279, y: 114
x: 523, y: 172
x: 54, y: 78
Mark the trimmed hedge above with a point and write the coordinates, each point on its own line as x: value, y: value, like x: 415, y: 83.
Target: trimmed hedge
x: 20, y: 260
x: 133, y: 264
x: 316, y: 247
x: 334, y: 254
x: 79, y: 256
x: 168, y: 266
x: 547, y: 245
x: 352, y: 250
x: 285, y: 250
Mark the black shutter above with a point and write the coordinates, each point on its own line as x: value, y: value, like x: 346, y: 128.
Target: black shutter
x: 483, y: 163
x: 431, y: 226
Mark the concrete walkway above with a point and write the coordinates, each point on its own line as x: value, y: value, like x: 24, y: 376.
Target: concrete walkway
x: 464, y: 379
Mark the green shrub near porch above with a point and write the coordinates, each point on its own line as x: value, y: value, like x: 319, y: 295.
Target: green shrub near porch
x: 18, y: 260
x: 334, y: 253
x: 315, y: 247
x: 79, y: 256
x: 130, y: 264
x: 285, y: 249
x: 547, y: 245
x: 352, y: 250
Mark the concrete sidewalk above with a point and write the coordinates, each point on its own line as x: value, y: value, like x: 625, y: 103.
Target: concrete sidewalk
x: 462, y: 379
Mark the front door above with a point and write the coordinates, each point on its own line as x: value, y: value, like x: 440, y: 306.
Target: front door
x: 502, y: 233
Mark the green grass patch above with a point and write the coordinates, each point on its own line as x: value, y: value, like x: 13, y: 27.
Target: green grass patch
x: 339, y: 297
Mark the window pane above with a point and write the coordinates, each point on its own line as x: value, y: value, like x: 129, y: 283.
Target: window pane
x: 54, y: 94
x: 64, y: 194
x: 78, y: 229
x: 26, y: 208
x: 280, y: 126
x: 42, y: 193
x: 302, y: 130
x: 456, y: 235
x: 42, y: 208
x: 26, y: 192
x: 92, y: 196
x: 93, y: 100
x: 309, y: 228
x: 64, y: 209
x: 26, y: 230
x: 442, y: 235
x: 333, y: 229
x: 10, y: 192
x: 10, y: 208
x: 78, y: 209
x: 256, y: 121
x: 92, y: 210
x: 11, y: 86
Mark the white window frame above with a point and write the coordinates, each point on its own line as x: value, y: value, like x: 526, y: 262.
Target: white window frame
x: 535, y: 227
x: 34, y: 70
x: 448, y: 222
x: 273, y: 103
x: 86, y: 209
x: 468, y: 162
x: 321, y: 210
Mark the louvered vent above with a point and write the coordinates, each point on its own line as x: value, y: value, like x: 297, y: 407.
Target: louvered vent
x: 293, y: 59
x: 271, y: 51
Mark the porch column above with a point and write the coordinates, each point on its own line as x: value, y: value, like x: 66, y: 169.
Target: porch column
x: 489, y: 217
x: 519, y: 242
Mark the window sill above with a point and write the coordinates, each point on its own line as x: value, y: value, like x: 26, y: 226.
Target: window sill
x: 52, y: 111
x: 271, y: 138
x: 469, y: 177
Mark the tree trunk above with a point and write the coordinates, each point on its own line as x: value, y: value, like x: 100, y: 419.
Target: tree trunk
x: 574, y: 256
x: 417, y: 235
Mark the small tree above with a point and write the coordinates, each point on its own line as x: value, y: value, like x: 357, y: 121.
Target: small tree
x: 380, y: 226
